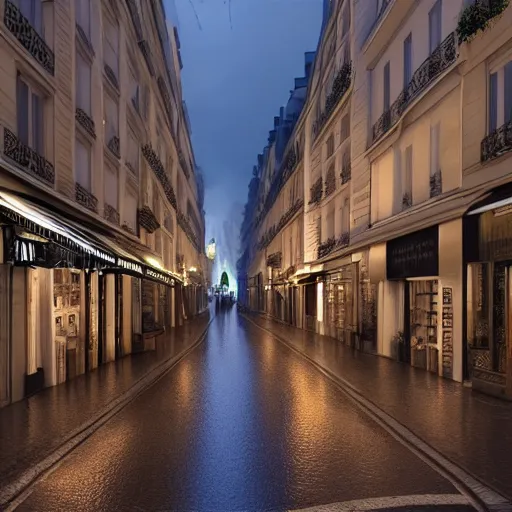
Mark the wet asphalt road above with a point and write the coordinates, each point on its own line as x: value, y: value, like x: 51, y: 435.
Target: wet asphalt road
x: 242, y: 423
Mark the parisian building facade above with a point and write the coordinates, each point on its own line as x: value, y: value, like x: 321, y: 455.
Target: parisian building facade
x: 397, y: 240
x: 101, y: 201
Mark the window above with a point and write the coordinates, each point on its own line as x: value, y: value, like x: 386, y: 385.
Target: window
x: 30, y: 116
x: 345, y: 128
x: 435, y: 132
x: 83, y: 84
x: 434, y: 26
x: 407, y: 181
x: 83, y: 164
x: 345, y: 220
x: 330, y: 145
x: 130, y: 209
x: 135, y: 92
x: 33, y: 11
x: 83, y: 15
x: 407, y: 60
x: 493, y: 102
x: 387, y: 87
x: 111, y: 187
x: 111, y: 118
x: 155, y: 197
x: 132, y: 159
x: 110, y: 44
x: 500, y: 97
x: 330, y: 224
x: 508, y: 92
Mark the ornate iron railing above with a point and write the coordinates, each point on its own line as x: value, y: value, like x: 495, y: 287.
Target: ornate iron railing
x: 315, y: 192
x: 496, y: 143
x: 111, y: 214
x: 84, y: 38
x: 187, y: 228
x: 436, y: 184
x: 86, y: 122
x: 27, y: 35
x: 157, y: 167
x: 440, y: 60
x: 271, y: 233
x: 346, y: 172
x: 111, y: 76
x: 406, y: 200
x: 332, y: 244
x: 340, y: 86
x: 30, y: 161
x: 146, y: 53
x: 147, y: 219
x: 113, y: 146
x: 330, y: 182
x: 85, y: 198
x: 275, y: 260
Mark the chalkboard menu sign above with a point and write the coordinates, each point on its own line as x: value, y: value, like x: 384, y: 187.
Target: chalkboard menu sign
x: 414, y: 255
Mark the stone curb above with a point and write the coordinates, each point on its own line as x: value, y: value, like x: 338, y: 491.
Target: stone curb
x: 481, y: 496
x: 15, y: 492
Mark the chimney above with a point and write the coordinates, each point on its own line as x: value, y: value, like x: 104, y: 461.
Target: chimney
x: 276, y: 122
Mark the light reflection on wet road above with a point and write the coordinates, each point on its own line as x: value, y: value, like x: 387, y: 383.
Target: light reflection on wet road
x: 242, y: 423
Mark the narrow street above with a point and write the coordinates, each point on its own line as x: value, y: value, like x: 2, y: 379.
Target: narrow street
x: 242, y: 423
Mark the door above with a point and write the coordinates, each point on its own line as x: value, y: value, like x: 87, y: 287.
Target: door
x: 119, y: 317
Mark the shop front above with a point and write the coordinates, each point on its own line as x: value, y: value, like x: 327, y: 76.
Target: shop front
x: 412, y: 262
x: 488, y: 259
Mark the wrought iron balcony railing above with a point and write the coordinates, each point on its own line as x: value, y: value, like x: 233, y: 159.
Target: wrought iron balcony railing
x: 158, y: 168
x: 147, y: 219
x: 183, y: 222
x: 330, y: 182
x: 271, y: 233
x: 346, y: 172
x: 114, y: 147
x: 275, y: 260
x: 496, y: 143
x: 111, y: 214
x: 85, y: 198
x: 440, y: 60
x: 332, y: 244
x: 86, y: 122
x: 27, y: 35
x: 436, y: 184
x: 315, y: 192
x: 406, y: 200
x: 30, y: 161
x: 340, y: 86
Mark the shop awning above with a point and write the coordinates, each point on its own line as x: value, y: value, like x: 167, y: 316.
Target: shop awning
x: 41, y: 237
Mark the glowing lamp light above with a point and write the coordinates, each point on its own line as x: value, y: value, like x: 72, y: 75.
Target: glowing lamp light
x: 153, y: 262
x: 192, y: 269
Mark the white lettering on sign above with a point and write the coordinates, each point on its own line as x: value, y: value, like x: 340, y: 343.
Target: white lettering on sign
x: 160, y: 277
x: 129, y: 265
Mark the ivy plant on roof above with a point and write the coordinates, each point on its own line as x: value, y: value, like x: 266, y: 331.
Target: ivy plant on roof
x: 477, y: 16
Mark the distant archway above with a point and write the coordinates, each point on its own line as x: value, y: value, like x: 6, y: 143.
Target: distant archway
x: 224, y: 280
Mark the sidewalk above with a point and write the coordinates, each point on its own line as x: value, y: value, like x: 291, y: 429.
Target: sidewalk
x: 33, y: 428
x: 471, y: 429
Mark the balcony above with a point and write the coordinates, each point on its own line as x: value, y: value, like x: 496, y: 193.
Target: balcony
x: 496, y: 143
x: 28, y: 37
x: 315, y: 192
x: 30, y: 161
x: 477, y: 16
x: 85, y: 198
x: 406, y: 201
x: 330, y: 182
x: 440, y: 60
x: 158, y: 168
x: 183, y: 222
x: 339, y: 88
x: 111, y: 214
x: 332, y: 244
x: 147, y: 219
x: 275, y: 260
x: 86, y: 122
x: 271, y: 233
x: 113, y: 146
x: 436, y: 184
x: 346, y: 172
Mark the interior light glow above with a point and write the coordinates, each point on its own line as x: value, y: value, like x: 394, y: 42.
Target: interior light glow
x: 320, y: 301
x: 153, y: 262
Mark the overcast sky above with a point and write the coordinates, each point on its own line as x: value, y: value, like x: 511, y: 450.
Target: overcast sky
x: 235, y: 77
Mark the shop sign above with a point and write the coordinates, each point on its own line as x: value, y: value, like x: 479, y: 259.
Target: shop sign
x: 414, y: 255
x: 129, y: 265
x: 158, y: 276
x: 101, y: 255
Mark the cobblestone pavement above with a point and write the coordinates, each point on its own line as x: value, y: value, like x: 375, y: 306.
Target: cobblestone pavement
x: 33, y: 428
x: 241, y: 423
x: 471, y: 429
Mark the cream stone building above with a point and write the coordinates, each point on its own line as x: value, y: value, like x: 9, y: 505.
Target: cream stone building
x: 407, y: 188
x: 102, y: 217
